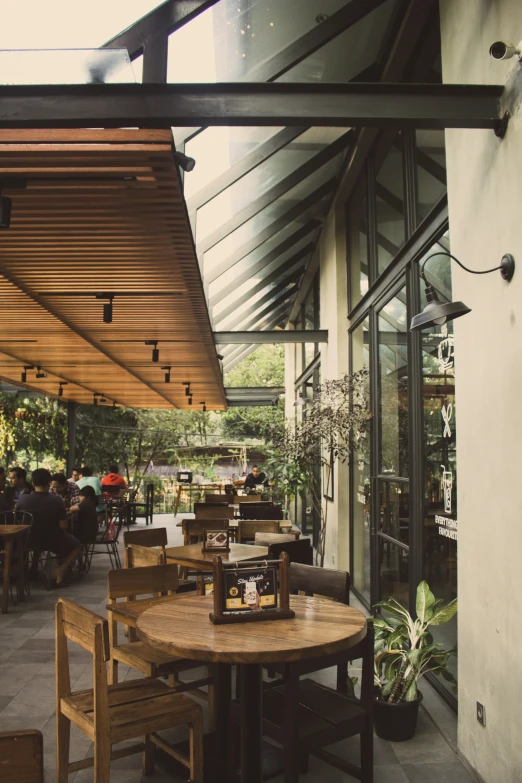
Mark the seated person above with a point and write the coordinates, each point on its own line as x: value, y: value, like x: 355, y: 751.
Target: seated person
x: 75, y: 474
x: 113, y: 482
x: 48, y: 530
x: 85, y: 527
x: 255, y: 480
x: 67, y: 490
x: 88, y: 480
x: 19, y: 484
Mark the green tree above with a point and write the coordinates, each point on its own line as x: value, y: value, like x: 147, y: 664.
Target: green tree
x: 264, y: 367
x: 33, y: 431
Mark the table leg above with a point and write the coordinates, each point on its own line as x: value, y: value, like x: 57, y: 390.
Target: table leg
x: 251, y: 720
x: 8, y: 548
x: 222, y: 695
x: 178, y: 496
x: 20, y: 582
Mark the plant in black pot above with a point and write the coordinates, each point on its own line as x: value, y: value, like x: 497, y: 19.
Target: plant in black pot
x: 404, y: 652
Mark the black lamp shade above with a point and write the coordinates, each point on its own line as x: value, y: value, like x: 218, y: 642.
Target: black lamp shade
x: 437, y: 313
x: 5, y: 212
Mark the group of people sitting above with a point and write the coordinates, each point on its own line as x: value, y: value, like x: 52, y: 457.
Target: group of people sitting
x: 65, y: 512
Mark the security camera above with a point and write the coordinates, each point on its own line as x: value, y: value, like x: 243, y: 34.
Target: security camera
x: 502, y: 50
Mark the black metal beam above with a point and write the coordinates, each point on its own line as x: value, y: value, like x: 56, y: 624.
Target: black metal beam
x: 248, y: 349
x: 272, y: 194
x: 260, y: 320
x: 166, y: 18
x: 272, y: 337
x: 253, y: 395
x: 259, y: 155
x: 155, y: 55
x: 165, y: 105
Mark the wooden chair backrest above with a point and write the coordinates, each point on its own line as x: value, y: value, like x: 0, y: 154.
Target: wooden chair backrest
x: 263, y: 510
x: 313, y: 580
x: 247, y: 528
x: 208, y: 511
x: 149, y: 580
x: 141, y: 556
x: 193, y: 528
x: 153, y: 537
x: 298, y: 551
x: 267, y: 539
x: 247, y: 498
x: 21, y: 757
x: 212, y: 497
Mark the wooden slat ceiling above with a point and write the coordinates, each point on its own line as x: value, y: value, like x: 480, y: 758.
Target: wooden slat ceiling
x: 102, y: 212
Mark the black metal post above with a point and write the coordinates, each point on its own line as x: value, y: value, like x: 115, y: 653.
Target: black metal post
x: 251, y: 719
x: 72, y: 408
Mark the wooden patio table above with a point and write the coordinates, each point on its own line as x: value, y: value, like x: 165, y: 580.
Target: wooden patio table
x: 192, y: 556
x: 182, y: 628
x: 8, y: 534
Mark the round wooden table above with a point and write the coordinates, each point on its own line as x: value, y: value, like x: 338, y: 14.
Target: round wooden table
x: 182, y: 628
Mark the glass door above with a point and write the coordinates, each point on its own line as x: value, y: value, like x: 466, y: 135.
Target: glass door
x: 391, y: 512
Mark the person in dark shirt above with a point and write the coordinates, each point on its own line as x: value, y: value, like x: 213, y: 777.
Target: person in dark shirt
x: 19, y: 484
x: 49, y: 526
x: 256, y: 479
x: 85, y: 528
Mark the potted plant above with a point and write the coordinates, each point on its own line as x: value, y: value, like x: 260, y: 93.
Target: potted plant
x: 405, y: 652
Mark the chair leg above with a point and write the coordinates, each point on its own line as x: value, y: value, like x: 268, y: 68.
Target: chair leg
x: 63, y: 741
x: 149, y: 756
x: 211, y: 703
x: 112, y: 676
x: 116, y: 555
x: 196, y: 748
x: 102, y: 758
x: 367, y: 756
x: 291, y: 752
x: 342, y: 678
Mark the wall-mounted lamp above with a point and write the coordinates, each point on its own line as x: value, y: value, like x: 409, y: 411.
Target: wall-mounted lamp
x: 186, y: 163
x: 60, y: 388
x: 436, y: 312
x: 503, y: 50
x: 204, y: 407
x: 155, y: 350
x: 40, y: 374
x: 107, y: 308
x: 167, y: 373
x: 24, y: 373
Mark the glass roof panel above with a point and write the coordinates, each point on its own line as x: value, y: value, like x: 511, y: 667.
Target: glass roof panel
x: 66, y: 66
x: 350, y: 53
x: 262, y: 178
x: 217, y: 149
x: 234, y: 36
x: 62, y: 24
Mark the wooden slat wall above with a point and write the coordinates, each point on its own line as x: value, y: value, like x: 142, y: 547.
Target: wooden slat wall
x: 103, y: 212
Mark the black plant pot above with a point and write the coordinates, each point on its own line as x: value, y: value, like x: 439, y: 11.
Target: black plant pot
x: 396, y: 722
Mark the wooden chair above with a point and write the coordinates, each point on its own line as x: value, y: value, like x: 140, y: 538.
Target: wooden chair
x: 211, y: 497
x: 156, y: 537
x: 156, y: 580
x: 141, y: 556
x: 298, y: 551
x: 304, y: 716
x: 144, y: 509
x: 193, y: 528
x: 247, y: 528
x: 263, y: 510
x: 210, y: 511
x: 248, y: 498
x: 21, y: 757
x: 109, y: 714
x: 267, y: 539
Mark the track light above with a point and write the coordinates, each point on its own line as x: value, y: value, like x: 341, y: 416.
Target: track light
x: 5, y: 212
x: 187, y: 390
x: 24, y: 372
x: 190, y: 400
x: 167, y: 373
x: 436, y: 312
x: 95, y: 398
x: 40, y: 374
x: 107, y: 308
x: 204, y: 407
x: 155, y: 350
x: 186, y: 163
x: 23, y: 377
x: 60, y: 388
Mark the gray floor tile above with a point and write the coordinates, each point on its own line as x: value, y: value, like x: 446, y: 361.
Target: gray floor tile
x: 389, y: 773
x: 423, y: 748
x: 444, y: 772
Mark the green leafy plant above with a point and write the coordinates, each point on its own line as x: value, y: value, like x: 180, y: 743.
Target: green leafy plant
x: 290, y: 477
x: 404, y: 648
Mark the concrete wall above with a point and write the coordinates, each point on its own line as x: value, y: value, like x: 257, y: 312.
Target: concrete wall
x: 485, y: 197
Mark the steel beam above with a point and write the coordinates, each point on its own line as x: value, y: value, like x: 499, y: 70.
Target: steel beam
x: 165, y: 105
x: 166, y: 18
x: 277, y: 336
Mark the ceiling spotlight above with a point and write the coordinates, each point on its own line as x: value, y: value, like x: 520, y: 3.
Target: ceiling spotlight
x: 190, y: 400
x: 5, y: 212
x: 23, y: 377
x: 503, y: 50
x: 95, y: 399
x: 186, y: 163
x: 436, y: 312
x: 155, y: 350
x: 60, y: 388
x: 167, y: 373
x: 40, y: 374
x: 24, y: 372
x: 204, y: 407
x: 107, y: 308
x: 220, y: 357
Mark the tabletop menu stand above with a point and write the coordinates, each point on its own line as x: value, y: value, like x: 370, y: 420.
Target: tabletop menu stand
x: 282, y: 612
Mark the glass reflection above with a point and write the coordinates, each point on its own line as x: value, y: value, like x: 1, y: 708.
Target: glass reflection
x: 393, y: 368
x: 393, y: 572
x: 389, y: 197
x: 430, y: 155
x: 357, y: 228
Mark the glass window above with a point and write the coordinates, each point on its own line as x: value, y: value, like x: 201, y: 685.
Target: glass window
x: 357, y: 241
x: 430, y: 158
x: 440, y: 455
x: 360, y: 468
x: 389, y: 205
x: 393, y: 369
x: 393, y: 572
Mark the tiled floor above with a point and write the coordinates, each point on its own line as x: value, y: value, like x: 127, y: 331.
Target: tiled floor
x: 27, y: 697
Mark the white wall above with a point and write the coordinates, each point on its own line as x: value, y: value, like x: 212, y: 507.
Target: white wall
x: 485, y: 205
